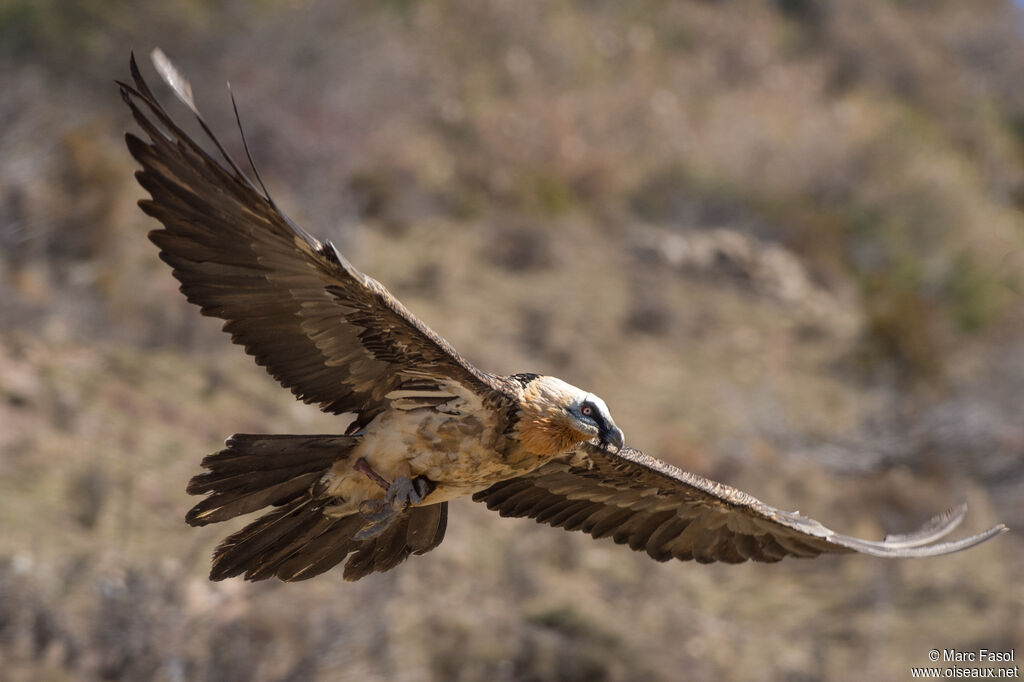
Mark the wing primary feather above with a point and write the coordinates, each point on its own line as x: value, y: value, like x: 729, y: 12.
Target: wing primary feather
x: 182, y: 88
x: 937, y: 549
x: 937, y: 527
x: 266, y: 193
x: 245, y: 146
x: 180, y: 85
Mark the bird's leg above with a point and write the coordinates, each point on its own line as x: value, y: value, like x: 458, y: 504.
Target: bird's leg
x: 399, y: 495
x: 364, y: 466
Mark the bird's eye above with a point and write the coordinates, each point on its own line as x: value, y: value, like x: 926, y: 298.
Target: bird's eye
x: 587, y: 410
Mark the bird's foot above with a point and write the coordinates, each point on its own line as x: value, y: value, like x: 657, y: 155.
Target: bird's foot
x: 401, y: 494
x: 404, y: 491
x: 379, y: 516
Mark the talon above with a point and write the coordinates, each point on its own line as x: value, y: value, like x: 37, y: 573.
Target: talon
x: 375, y: 528
x: 400, y: 493
x: 375, y: 510
x: 379, y: 515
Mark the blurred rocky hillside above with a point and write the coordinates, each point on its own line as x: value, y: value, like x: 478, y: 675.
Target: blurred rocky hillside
x: 782, y: 238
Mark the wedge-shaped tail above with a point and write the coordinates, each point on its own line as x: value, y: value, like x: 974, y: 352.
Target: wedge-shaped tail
x: 297, y: 540
x: 254, y: 471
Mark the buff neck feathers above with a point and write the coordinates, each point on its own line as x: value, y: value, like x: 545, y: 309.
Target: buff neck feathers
x: 545, y: 425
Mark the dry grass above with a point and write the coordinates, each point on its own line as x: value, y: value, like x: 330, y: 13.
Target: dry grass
x: 780, y: 239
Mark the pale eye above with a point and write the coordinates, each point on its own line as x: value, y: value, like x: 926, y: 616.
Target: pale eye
x: 587, y: 411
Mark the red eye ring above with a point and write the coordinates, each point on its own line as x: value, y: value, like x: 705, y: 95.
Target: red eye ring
x: 586, y: 410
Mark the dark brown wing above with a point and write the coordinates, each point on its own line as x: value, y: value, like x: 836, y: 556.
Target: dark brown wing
x: 653, y: 506
x: 323, y: 329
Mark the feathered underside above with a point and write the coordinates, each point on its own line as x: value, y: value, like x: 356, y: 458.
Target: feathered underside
x: 652, y: 506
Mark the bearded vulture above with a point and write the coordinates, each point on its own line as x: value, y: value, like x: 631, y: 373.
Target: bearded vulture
x: 429, y: 426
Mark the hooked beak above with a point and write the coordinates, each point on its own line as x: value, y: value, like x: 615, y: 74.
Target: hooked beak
x: 612, y: 435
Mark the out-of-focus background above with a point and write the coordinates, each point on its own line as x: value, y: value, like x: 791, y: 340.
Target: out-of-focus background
x: 783, y: 239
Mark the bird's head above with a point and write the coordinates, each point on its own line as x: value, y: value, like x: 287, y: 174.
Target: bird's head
x: 557, y: 417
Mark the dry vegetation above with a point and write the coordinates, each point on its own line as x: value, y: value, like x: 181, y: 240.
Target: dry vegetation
x: 781, y: 238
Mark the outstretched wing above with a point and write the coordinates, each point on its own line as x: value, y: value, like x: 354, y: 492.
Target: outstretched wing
x: 651, y: 505
x: 323, y: 329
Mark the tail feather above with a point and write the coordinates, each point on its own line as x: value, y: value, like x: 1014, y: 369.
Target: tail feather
x: 385, y: 552
x: 248, y: 452
x: 330, y: 549
x: 309, y: 538
x: 229, y: 504
x: 296, y: 541
x: 223, y: 483
x: 241, y: 551
x: 426, y: 530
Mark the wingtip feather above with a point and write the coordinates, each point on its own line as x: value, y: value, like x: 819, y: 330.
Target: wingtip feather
x: 174, y: 78
x: 883, y: 549
x: 935, y: 528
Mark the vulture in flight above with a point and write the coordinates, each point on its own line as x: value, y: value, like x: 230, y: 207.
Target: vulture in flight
x: 429, y: 426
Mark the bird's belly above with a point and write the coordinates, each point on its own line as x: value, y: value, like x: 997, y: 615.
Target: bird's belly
x: 466, y: 469
x: 460, y: 453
